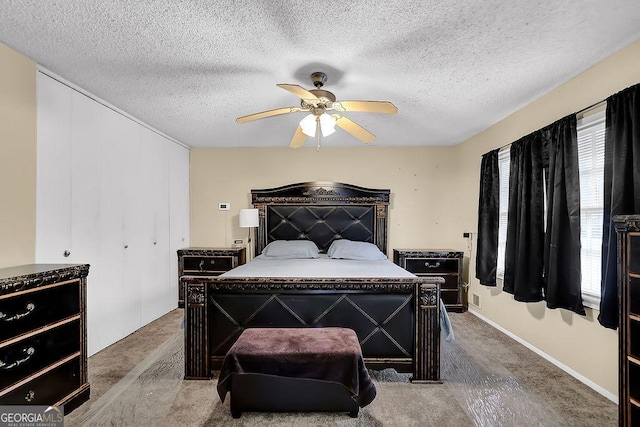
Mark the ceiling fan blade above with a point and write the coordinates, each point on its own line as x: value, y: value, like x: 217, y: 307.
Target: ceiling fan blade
x: 269, y: 113
x: 354, y: 129
x: 300, y: 92
x: 383, y: 107
x: 298, y: 138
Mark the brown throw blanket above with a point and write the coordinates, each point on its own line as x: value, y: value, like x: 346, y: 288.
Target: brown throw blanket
x: 328, y: 354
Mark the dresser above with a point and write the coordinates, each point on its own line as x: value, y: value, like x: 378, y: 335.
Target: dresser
x: 628, y: 233
x: 445, y: 263
x: 206, y: 262
x: 43, y: 340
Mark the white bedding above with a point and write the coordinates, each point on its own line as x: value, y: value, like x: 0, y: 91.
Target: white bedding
x: 324, y: 266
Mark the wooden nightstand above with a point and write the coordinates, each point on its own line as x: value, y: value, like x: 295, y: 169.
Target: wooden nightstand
x: 206, y: 262
x: 445, y: 263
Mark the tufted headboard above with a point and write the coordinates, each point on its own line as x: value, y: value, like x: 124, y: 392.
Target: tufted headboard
x: 322, y: 212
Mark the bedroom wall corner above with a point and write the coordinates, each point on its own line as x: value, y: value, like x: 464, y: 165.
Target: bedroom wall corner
x: 18, y: 159
x: 562, y: 335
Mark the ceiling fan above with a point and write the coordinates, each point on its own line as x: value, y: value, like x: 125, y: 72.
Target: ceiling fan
x: 317, y: 102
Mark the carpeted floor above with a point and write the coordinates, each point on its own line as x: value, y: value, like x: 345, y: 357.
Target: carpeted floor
x: 488, y: 380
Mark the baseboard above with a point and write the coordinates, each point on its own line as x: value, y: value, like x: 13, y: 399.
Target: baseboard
x: 612, y: 397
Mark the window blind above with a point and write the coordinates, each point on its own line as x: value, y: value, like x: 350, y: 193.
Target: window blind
x: 591, y: 131
x: 504, y: 162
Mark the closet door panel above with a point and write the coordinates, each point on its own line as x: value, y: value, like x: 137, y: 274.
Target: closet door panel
x: 155, y: 284
x: 133, y: 227
x: 178, y: 209
x: 53, y: 180
x: 109, y: 311
x: 86, y: 169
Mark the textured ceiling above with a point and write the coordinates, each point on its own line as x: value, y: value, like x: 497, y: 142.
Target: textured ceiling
x: 190, y: 67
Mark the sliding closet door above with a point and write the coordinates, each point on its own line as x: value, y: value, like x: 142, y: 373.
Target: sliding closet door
x: 133, y: 225
x: 53, y: 176
x: 111, y: 307
x: 104, y: 198
x: 156, y: 282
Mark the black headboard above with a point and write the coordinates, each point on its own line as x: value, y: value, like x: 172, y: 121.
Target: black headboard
x: 321, y: 211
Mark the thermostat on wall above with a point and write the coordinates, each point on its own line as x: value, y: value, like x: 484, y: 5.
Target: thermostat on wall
x: 224, y: 206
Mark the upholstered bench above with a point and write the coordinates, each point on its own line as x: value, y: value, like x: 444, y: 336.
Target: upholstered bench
x: 296, y: 369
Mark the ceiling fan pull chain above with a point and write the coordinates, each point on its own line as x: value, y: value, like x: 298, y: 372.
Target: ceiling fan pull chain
x: 318, y: 132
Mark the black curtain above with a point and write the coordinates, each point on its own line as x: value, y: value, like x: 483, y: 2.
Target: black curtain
x: 562, y: 269
x: 488, y: 219
x: 621, y: 188
x: 524, y: 253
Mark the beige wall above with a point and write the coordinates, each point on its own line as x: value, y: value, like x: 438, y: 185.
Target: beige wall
x: 422, y: 212
x: 576, y: 341
x: 18, y: 159
x: 434, y: 200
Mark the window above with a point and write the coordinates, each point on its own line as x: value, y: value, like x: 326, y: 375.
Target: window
x: 591, y: 165
x: 504, y: 162
x: 591, y: 132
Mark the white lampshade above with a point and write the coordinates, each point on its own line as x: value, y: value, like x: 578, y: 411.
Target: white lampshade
x: 309, y: 125
x: 248, y: 218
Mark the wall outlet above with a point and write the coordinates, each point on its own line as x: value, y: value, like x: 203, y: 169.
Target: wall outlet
x: 225, y: 206
x: 466, y: 234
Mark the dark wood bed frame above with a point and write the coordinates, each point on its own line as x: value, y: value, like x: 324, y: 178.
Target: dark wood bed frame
x: 397, y: 320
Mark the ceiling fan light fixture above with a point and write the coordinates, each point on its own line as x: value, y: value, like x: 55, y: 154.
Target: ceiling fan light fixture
x: 309, y: 124
x: 327, y: 124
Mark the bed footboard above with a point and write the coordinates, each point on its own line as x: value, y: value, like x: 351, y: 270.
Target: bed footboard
x: 397, y: 320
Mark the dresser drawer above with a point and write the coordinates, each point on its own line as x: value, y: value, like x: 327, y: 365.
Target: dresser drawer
x: 431, y: 265
x: 48, y: 388
x: 634, y: 296
x: 207, y: 265
x: 31, y: 354
x: 449, y: 297
x: 634, y: 384
x: 634, y: 253
x: 29, y: 310
x: 451, y: 281
x: 634, y: 345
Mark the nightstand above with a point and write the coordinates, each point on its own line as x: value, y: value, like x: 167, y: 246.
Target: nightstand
x: 445, y: 263
x: 206, y: 262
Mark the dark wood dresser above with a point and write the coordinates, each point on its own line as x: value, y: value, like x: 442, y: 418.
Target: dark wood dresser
x: 628, y: 229
x: 445, y: 263
x: 43, y: 340
x: 206, y: 262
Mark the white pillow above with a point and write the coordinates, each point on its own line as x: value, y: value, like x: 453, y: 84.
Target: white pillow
x: 291, y: 249
x: 348, y: 249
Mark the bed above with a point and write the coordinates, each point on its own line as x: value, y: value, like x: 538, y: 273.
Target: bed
x: 396, y: 315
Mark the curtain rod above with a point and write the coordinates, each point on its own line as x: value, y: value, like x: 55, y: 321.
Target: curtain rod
x: 594, y: 105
